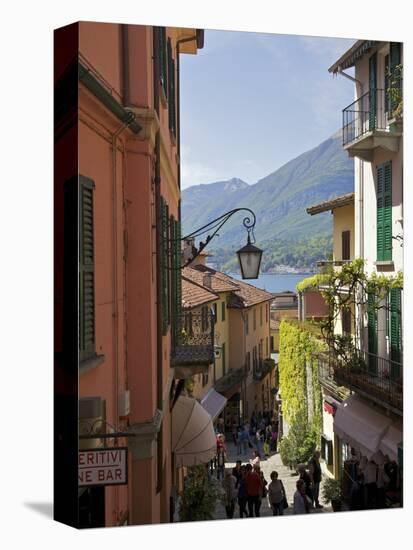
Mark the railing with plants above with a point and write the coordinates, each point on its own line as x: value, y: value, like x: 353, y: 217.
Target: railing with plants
x: 379, y: 378
x: 375, y: 109
x: 352, y: 290
x: 195, y: 338
x: 261, y: 370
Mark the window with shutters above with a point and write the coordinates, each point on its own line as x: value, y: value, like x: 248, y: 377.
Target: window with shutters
x: 387, y: 107
x: 373, y: 91
x: 395, y: 329
x: 345, y: 245
x: 372, y: 332
x: 384, y: 212
x: 87, y: 343
x: 223, y: 311
x: 394, y: 80
x: 161, y: 35
x: 171, y: 90
x: 176, y: 283
x: 165, y: 265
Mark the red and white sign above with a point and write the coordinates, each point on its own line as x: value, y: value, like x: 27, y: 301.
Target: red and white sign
x: 103, y: 467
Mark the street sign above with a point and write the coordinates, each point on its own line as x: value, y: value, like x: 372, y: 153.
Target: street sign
x: 103, y: 467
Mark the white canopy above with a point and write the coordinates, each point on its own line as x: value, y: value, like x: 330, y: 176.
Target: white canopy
x: 391, y: 441
x: 213, y: 402
x: 360, y: 425
x: 193, y: 435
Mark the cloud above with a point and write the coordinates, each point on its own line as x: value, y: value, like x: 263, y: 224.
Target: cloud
x: 325, y: 47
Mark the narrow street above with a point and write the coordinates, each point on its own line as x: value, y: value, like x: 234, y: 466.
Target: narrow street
x: 287, y: 476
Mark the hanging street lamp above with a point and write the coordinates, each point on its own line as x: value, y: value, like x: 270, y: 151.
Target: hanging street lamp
x: 249, y: 256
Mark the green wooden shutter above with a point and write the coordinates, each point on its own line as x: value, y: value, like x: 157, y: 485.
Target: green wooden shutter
x: 372, y: 332
x: 394, y: 80
x: 386, y: 84
x: 178, y: 268
x: 176, y: 286
x: 171, y: 91
x: 395, y: 330
x: 87, y: 344
x: 164, y: 261
x: 372, y: 91
x: 384, y: 212
x: 162, y: 58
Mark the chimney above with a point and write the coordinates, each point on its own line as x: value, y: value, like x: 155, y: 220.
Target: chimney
x: 207, y: 280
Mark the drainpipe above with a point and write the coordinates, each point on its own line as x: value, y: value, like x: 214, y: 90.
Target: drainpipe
x: 115, y: 314
x: 159, y: 335
x: 360, y: 91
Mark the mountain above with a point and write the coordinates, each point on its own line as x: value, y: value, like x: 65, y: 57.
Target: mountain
x: 279, y: 200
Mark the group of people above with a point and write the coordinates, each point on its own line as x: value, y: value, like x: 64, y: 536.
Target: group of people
x: 373, y: 483
x: 307, y: 494
x: 247, y: 486
x: 260, y: 433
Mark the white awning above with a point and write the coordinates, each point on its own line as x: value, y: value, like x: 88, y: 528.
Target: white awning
x: 193, y: 435
x: 213, y: 402
x: 360, y: 425
x: 391, y: 441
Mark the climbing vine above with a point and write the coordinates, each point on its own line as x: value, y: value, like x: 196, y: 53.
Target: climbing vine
x: 346, y: 289
x: 300, y: 390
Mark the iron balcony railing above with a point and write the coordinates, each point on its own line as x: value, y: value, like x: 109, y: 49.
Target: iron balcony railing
x: 372, y: 111
x: 193, y: 343
x: 262, y: 368
x: 378, y: 378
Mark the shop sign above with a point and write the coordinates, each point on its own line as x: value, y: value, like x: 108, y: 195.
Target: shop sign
x: 103, y: 467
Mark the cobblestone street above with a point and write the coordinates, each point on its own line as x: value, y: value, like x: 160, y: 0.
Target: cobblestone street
x: 288, y: 477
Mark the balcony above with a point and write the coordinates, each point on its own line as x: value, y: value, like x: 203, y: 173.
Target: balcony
x: 369, y: 375
x: 368, y: 123
x: 193, y: 344
x: 262, y: 368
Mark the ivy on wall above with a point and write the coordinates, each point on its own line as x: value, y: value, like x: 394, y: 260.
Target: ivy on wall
x: 300, y: 390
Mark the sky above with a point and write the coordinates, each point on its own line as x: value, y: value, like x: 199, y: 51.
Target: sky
x: 250, y: 102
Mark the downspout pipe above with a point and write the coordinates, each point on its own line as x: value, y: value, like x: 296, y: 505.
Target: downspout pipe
x: 359, y: 91
x: 159, y: 335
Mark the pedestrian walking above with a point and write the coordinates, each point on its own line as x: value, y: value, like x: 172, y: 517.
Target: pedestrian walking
x: 230, y: 493
x: 305, y: 476
x: 236, y: 471
x: 254, y: 488
x: 315, y: 474
x: 221, y: 458
x: 242, y: 493
x: 264, y: 491
x: 259, y: 436
x: 274, y: 439
x: 302, y: 504
x: 255, y: 459
x: 276, y: 495
x: 235, y: 432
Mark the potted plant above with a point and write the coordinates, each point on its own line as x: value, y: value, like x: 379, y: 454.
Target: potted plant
x: 332, y: 492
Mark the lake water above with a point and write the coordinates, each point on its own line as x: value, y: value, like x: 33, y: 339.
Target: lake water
x: 276, y: 282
